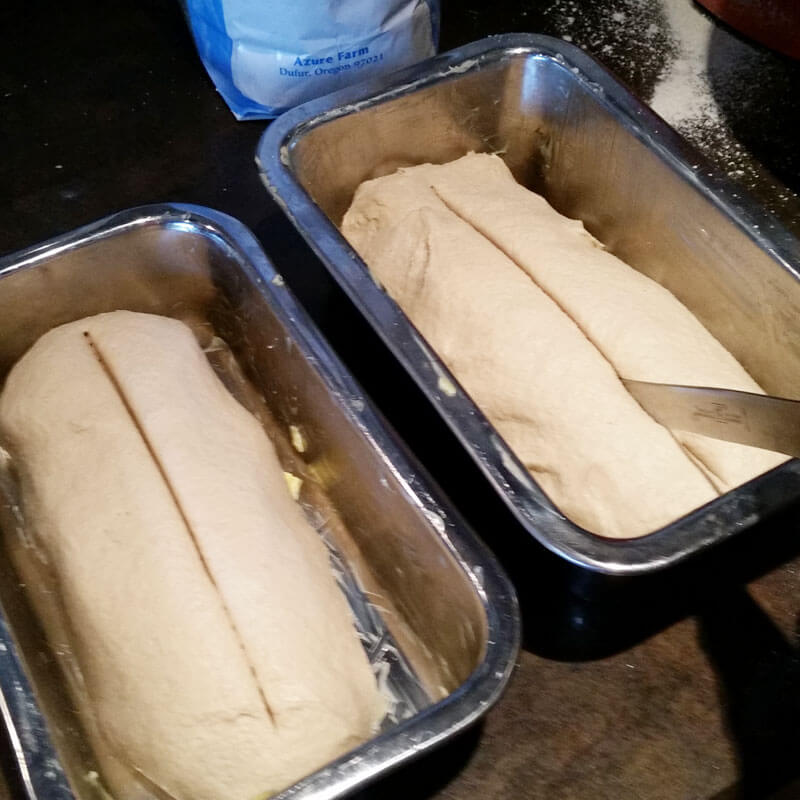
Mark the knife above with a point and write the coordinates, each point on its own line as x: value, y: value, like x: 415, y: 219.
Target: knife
x: 758, y: 420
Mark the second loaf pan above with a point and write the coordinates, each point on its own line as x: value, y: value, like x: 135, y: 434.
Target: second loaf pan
x: 570, y: 131
x: 456, y: 622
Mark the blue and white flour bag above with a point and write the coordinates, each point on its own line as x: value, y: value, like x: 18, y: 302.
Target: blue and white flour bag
x: 266, y: 56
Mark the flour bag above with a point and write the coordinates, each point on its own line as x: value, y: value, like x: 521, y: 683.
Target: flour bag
x: 266, y: 56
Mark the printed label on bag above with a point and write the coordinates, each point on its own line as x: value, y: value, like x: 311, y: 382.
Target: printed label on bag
x: 266, y: 57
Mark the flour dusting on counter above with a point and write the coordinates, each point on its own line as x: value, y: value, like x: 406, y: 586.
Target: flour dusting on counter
x: 704, y: 85
x: 683, y: 93
x: 711, y: 85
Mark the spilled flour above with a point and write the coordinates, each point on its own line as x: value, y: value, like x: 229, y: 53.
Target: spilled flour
x: 705, y: 92
x: 723, y: 93
x: 683, y: 94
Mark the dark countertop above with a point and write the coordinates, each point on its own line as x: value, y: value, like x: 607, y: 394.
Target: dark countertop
x: 688, y: 688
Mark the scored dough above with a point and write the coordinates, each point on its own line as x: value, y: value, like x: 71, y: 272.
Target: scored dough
x: 638, y: 325
x: 217, y: 652
x: 555, y: 400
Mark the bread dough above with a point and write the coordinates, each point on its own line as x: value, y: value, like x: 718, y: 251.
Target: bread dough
x: 637, y: 324
x: 551, y: 395
x: 217, y: 652
x: 638, y: 328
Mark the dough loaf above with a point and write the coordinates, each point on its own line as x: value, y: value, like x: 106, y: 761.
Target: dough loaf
x: 525, y: 363
x: 218, y: 655
x: 537, y: 321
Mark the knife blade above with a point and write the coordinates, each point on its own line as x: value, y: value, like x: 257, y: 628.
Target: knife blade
x: 758, y: 420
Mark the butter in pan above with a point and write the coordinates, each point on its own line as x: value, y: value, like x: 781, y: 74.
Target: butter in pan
x: 205, y: 270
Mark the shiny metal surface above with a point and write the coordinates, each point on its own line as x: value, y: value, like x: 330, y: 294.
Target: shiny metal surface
x: 457, y: 620
x: 757, y: 420
x: 570, y: 131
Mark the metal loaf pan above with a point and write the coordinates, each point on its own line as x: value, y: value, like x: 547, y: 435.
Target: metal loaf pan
x: 453, y: 602
x: 570, y: 131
